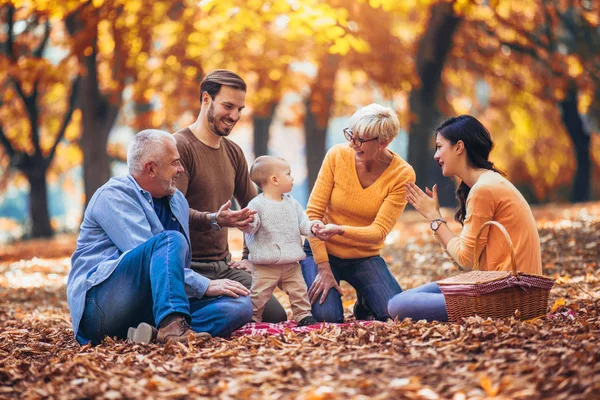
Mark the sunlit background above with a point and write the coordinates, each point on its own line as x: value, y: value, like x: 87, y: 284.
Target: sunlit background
x: 79, y: 78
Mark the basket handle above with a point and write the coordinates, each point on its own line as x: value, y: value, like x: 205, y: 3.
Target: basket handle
x: 508, y: 240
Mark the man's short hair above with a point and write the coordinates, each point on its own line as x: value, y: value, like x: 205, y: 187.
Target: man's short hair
x: 262, y: 169
x: 146, y: 146
x: 212, y: 82
x: 375, y: 120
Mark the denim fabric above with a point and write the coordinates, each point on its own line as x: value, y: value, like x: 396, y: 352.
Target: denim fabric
x: 119, y: 218
x: 147, y: 286
x: 423, y: 302
x: 370, y: 276
x: 220, y: 315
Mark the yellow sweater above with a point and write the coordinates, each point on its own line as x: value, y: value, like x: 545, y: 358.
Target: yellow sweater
x: 493, y: 197
x: 368, y: 215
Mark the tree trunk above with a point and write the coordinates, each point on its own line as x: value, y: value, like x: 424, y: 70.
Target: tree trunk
x: 98, y: 113
x: 98, y: 118
x: 316, y: 118
x: 38, y: 201
x: 434, y: 47
x: 262, y: 124
x: 581, y: 144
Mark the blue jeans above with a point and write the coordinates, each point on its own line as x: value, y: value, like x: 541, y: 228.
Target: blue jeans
x: 370, y: 277
x: 148, y: 285
x: 423, y: 302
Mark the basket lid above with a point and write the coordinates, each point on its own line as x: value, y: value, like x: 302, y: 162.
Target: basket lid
x: 475, y: 278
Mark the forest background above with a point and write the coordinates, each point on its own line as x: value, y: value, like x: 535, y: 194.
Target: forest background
x: 79, y: 78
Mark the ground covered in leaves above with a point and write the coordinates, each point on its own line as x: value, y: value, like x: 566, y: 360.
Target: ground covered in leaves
x: 557, y: 357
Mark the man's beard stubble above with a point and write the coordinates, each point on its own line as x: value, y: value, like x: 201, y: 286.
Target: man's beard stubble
x: 212, y: 122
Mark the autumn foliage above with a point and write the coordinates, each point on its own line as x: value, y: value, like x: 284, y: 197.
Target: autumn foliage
x: 71, y: 71
x: 556, y: 357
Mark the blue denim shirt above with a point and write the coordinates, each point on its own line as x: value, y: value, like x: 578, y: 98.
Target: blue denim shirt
x: 119, y: 217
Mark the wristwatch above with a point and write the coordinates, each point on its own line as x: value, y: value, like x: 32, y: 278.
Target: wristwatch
x: 436, y: 223
x: 213, y: 222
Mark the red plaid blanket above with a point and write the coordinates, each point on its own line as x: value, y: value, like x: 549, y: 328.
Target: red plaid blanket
x: 265, y: 328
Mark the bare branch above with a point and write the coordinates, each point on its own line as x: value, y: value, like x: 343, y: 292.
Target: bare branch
x: 9, y: 41
x: 67, y: 117
x: 513, y: 24
x: 113, y: 111
x: 32, y: 111
x: 40, y: 50
x: 6, y: 143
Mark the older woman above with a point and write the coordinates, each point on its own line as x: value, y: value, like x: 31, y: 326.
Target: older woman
x: 360, y: 194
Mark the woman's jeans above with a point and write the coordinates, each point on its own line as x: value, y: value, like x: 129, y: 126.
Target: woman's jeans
x: 148, y: 285
x: 423, y: 302
x: 370, y: 277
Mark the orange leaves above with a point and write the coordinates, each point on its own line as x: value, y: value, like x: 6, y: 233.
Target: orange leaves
x: 505, y: 359
x: 557, y: 304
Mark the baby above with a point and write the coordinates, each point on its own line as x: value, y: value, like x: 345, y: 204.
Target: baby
x: 274, y: 239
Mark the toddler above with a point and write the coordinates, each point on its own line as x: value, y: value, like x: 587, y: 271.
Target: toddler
x: 274, y: 239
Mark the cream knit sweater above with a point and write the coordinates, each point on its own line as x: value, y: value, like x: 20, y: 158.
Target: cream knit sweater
x: 275, y: 235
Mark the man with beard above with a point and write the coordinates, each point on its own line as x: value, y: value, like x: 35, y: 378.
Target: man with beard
x: 215, y: 172
x: 131, y: 265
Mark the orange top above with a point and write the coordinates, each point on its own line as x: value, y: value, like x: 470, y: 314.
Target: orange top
x: 368, y: 214
x: 493, y: 197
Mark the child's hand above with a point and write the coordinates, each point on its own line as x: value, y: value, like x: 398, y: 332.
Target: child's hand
x: 244, y: 265
x: 329, y: 230
x: 317, y: 226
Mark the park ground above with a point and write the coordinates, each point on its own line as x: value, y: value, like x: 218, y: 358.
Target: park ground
x: 557, y: 357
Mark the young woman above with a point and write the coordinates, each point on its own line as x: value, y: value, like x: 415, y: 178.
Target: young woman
x: 463, y: 146
x: 360, y: 194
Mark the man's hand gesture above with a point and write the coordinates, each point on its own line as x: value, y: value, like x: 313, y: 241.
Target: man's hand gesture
x: 226, y: 217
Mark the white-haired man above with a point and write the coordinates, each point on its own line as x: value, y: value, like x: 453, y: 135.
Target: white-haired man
x: 131, y: 265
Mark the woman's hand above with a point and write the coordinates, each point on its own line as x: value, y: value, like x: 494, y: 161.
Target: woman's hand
x: 326, y: 232
x: 323, y: 282
x: 426, y: 204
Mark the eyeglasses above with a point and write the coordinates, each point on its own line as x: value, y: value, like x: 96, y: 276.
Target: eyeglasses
x: 356, y: 140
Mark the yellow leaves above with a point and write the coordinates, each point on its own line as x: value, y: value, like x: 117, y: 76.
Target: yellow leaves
x: 67, y: 156
x: 557, y: 304
x: 585, y: 100
x: 574, y: 65
x: 133, y: 6
x: 191, y: 72
x: 106, y: 43
x: 340, y: 46
x: 461, y: 6
x: 73, y: 131
x: 592, y: 18
x: 195, y: 37
x: 171, y: 60
x: 275, y: 75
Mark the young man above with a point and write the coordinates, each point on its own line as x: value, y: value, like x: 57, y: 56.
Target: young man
x: 215, y: 171
x: 131, y: 265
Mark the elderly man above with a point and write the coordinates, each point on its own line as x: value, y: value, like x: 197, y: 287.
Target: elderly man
x: 131, y: 265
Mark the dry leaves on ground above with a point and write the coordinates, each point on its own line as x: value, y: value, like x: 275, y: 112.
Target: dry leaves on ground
x: 555, y: 358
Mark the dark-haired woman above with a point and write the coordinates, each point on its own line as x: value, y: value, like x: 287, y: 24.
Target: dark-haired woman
x: 463, y: 146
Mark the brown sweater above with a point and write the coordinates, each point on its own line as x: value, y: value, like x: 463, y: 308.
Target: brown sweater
x: 211, y: 178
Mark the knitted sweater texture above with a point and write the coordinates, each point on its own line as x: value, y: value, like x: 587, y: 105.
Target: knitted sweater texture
x: 367, y: 214
x: 275, y: 235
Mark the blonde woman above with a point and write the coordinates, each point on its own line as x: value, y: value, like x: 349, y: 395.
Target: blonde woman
x: 360, y: 194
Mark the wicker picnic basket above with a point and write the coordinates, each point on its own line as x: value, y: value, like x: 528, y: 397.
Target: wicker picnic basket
x: 496, y: 294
